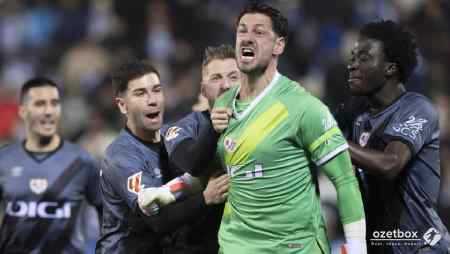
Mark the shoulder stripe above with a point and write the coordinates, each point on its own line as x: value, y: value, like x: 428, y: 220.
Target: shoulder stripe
x: 327, y: 135
x: 332, y: 154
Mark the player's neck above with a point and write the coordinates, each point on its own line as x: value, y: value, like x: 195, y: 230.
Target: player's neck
x: 145, y: 135
x: 252, y: 84
x: 41, y: 144
x: 385, y: 97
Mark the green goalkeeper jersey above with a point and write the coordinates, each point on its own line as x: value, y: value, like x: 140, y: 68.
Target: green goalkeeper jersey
x: 269, y: 149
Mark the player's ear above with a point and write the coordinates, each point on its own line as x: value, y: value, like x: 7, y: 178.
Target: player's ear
x: 22, y: 111
x: 202, y: 88
x: 121, y: 104
x: 391, y: 69
x: 280, y: 43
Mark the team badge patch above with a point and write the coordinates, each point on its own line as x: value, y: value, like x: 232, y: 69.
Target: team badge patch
x: 172, y: 133
x: 229, y: 144
x: 38, y: 185
x: 134, y: 183
x: 364, y: 138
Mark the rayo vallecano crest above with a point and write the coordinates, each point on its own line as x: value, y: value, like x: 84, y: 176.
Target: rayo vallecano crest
x: 364, y: 138
x: 38, y: 185
x: 229, y: 144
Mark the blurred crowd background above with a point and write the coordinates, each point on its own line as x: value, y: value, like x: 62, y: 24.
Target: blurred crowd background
x: 79, y: 43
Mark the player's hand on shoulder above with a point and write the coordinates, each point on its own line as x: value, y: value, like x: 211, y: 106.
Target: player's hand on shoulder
x: 220, y: 118
x: 216, y: 191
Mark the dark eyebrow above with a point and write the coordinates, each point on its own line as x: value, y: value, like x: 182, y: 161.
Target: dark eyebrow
x: 260, y: 25
x: 139, y: 89
x: 216, y: 74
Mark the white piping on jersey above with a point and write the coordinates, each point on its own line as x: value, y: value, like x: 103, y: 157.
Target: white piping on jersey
x: 256, y: 100
x: 331, y: 155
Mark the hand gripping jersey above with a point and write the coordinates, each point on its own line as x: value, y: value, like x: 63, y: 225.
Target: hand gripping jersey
x: 269, y: 148
x: 43, y: 194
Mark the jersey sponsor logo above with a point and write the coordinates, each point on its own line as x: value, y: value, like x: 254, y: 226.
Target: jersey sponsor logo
x: 364, y: 138
x: 16, y: 171
x: 33, y: 209
x: 411, y: 127
x: 38, y: 185
x: 256, y: 173
x: 231, y: 170
x: 172, y: 133
x: 229, y: 144
x: 134, y: 183
x: 432, y: 236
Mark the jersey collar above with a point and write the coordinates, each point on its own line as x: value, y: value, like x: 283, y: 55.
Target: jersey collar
x: 240, y: 116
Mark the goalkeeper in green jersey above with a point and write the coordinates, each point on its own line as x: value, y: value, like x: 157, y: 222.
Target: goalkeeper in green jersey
x: 273, y: 134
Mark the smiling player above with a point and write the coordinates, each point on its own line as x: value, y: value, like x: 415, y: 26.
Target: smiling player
x: 44, y: 179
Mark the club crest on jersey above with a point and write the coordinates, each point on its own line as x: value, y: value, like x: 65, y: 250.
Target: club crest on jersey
x: 38, y: 185
x: 134, y: 183
x: 229, y: 144
x: 172, y: 133
x: 364, y: 138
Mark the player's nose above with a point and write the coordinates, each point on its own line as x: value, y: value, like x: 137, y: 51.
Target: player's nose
x: 226, y: 84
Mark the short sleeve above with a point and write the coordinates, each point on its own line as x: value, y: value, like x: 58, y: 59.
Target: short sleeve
x: 319, y: 134
x: 415, y: 124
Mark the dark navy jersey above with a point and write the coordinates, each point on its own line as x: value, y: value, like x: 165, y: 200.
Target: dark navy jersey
x: 43, y: 194
x: 129, y: 165
x: 200, y: 236
x: 408, y: 202
x: 191, y: 142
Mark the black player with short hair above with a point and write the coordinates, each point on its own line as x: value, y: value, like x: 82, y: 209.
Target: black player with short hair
x: 136, y: 170
x: 395, y: 143
x: 44, y: 179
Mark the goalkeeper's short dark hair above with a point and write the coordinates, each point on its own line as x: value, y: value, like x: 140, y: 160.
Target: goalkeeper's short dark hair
x: 399, y: 45
x: 279, y: 22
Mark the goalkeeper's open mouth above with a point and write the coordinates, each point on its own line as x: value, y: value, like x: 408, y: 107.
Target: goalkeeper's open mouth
x: 247, y: 54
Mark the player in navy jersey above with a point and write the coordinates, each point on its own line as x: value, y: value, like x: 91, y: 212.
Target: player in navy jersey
x: 394, y: 144
x: 44, y: 179
x: 219, y: 73
x: 138, y: 166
